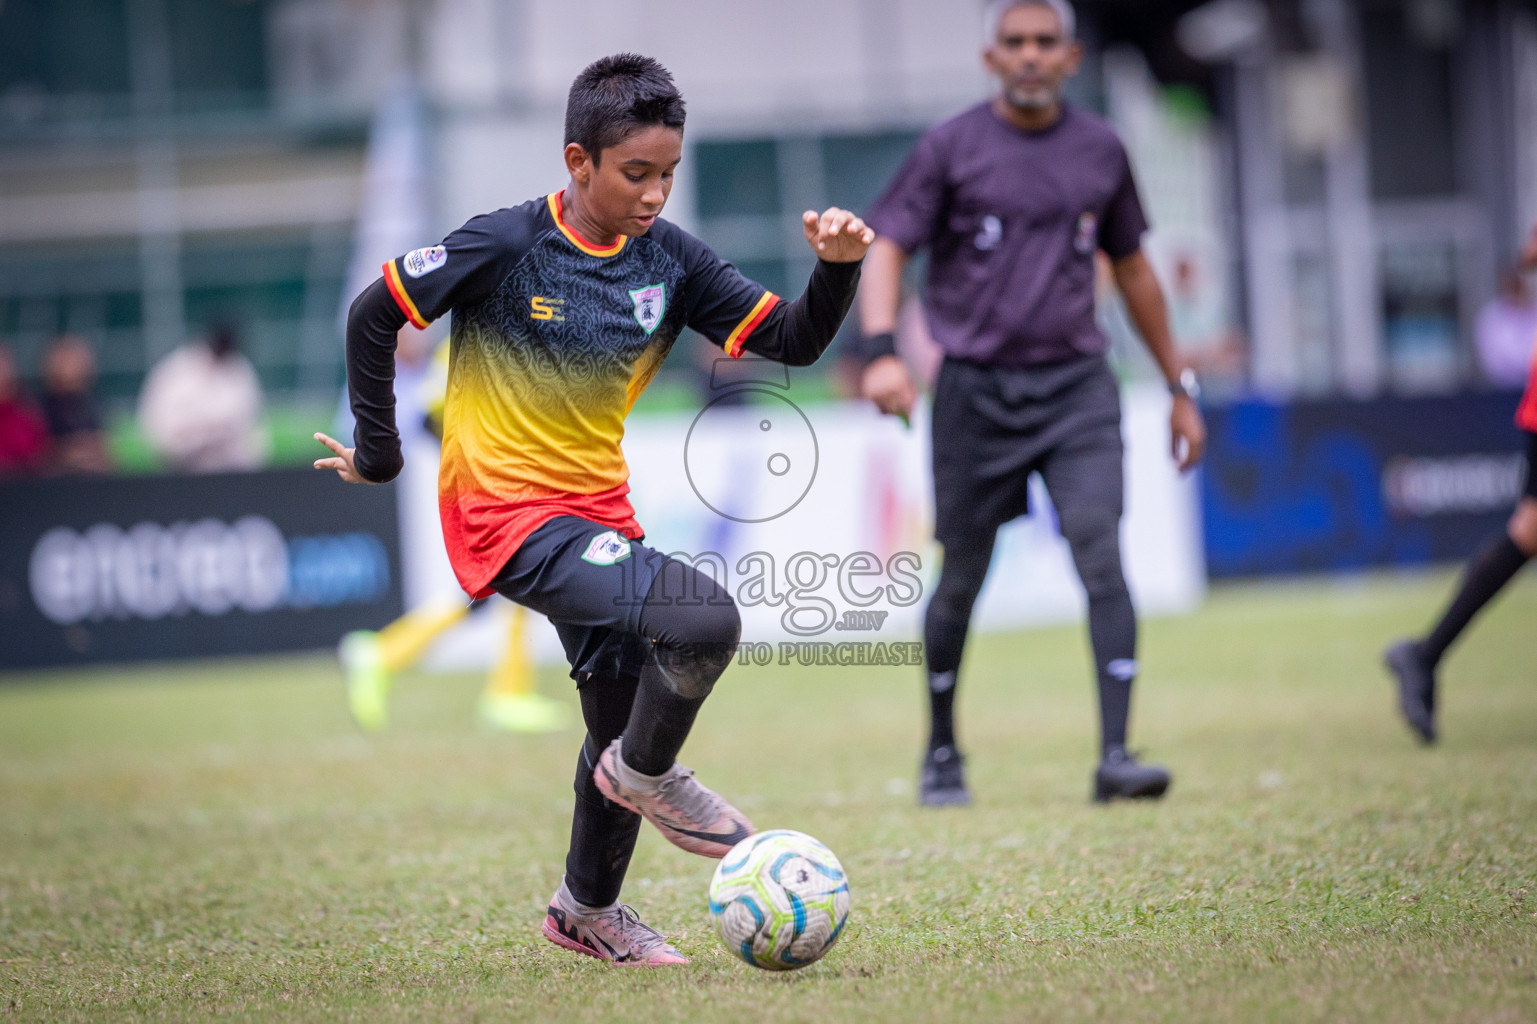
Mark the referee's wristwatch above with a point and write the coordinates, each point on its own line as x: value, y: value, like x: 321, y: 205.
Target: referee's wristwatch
x: 1186, y: 386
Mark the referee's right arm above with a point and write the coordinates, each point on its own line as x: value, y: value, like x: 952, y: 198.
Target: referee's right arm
x: 886, y: 381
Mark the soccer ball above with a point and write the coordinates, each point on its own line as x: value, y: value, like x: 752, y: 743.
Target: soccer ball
x: 779, y: 899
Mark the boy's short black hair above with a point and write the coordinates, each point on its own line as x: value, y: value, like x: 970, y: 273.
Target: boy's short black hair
x: 615, y: 97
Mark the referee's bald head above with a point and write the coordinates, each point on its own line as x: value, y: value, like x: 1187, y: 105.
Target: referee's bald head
x: 993, y: 16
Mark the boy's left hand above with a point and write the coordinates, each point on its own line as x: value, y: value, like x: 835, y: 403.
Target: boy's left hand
x: 342, y: 462
x: 837, y: 236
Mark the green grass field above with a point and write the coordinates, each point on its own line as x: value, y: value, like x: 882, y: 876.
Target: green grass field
x: 215, y: 840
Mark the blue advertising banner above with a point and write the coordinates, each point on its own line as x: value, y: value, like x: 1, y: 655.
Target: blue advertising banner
x: 161, y: 567
x: 1328, y: 485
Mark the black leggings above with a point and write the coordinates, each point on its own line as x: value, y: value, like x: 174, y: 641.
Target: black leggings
x: 1093, y: 534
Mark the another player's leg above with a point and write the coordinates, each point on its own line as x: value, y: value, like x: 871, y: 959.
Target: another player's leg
x: 693, y: 643
x: 371, y: 660
x: 1086, y: 486
x: 585, y: 914
x: 510, y: 701
x: 942, y: 779
x: 1413, y: 662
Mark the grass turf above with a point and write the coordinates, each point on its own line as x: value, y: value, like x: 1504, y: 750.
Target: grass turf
x: 215, y: 841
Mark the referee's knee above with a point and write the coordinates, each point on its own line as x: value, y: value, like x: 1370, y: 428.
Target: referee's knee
x: 1095, y: 539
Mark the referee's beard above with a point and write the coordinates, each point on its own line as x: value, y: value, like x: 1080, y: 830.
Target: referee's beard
x: 1032, y: 100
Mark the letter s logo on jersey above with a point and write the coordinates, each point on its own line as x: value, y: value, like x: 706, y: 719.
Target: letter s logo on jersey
x: 418, y: 262
x: 541, y: 308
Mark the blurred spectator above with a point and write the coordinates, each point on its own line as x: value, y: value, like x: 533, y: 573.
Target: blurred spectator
x: 1507, y: 328
x: 23, y: 431
x: 74, y: 418
x: 201, y: 407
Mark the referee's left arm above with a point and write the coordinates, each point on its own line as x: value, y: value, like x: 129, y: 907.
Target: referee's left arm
x: 1144, y: 301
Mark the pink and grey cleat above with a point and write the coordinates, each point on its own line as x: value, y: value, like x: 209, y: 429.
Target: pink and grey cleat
x: 614, y: 934
x: 690, y: 816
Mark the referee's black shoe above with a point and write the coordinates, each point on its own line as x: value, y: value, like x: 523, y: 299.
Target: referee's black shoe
x: 1120, y: 775
x: 1416, y: 687
x: 942, y: 782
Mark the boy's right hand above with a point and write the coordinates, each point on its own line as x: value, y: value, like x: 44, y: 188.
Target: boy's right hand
x: 887, y: 383
x: 342, y: 462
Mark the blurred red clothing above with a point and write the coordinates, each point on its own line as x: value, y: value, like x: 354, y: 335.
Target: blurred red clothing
x: 23, y: 436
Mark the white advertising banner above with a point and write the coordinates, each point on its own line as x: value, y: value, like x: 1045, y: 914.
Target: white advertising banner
x: 818, y: 520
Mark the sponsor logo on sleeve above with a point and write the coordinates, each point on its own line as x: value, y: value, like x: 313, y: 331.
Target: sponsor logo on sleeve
x: 419, y: 262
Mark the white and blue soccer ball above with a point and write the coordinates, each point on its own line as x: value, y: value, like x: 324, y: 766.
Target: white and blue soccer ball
x: 780, y: 900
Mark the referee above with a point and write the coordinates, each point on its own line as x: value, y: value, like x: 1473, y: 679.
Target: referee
x: 1012, y: 198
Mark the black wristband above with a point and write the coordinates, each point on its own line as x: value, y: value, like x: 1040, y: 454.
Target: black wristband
x: 877, y: 345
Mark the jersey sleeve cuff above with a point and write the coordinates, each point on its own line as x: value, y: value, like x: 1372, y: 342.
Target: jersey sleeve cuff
x: 739, y: 335
x: 401, y: 296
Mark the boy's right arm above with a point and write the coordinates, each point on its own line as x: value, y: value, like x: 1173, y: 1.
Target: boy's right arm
x: 372, y: 324
x: 417, y: 288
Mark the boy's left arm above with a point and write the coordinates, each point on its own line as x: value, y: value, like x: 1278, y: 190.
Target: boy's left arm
x: 742, y: 316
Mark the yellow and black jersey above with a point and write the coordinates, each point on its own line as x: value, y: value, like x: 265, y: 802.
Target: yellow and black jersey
x: 552, y: 341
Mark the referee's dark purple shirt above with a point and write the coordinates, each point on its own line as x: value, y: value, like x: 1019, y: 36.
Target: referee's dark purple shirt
x: 1012, y: 219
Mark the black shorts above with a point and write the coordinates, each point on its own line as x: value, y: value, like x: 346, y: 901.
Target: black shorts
x: 995, y: 426
x: 591, y: 582
x: 1530, y: 490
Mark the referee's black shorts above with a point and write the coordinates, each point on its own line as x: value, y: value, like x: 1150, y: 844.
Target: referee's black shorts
x: 994, y: 426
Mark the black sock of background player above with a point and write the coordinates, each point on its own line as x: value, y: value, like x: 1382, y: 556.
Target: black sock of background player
x: 1488, y: 571
x: 945, y: 624
x: 602, y: 833
x: 1113, y: 634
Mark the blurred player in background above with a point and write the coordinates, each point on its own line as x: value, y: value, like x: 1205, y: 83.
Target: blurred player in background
x: 1013, y: 198
x: 371, y: 660
x: 563, y: 309
x: 1413, y: 662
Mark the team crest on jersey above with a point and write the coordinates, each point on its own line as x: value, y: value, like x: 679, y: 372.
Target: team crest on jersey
x: 990, y: 235
x: 1088, y: 233
x: 650, y: 304
x: 606, y: 549
x: 418, y: 262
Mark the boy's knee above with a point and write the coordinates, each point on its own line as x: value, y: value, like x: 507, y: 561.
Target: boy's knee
x: 713, y: 632
x: 694, y: 643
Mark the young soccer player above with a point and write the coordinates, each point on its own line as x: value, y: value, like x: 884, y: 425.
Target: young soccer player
x: 1413, y: 662
x: 563, y: 309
